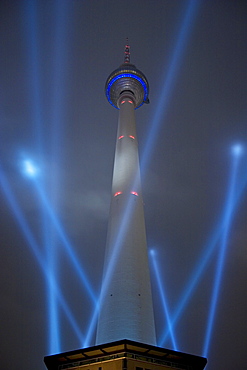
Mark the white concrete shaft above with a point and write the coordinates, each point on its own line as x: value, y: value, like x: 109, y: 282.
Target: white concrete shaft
x: 126, y: 308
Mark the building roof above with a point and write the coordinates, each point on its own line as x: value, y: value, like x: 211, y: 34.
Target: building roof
x: 103, y: 351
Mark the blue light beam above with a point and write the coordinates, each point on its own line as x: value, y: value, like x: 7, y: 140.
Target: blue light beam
x: 169, y: 79
x: 35, y: 250
x: 31, y: 22
x: 202, y: 263
x: 66, y: 243
x: 228, y: 215
x: 61, y: 28
x: 31, y: 35
x: 163, y: 298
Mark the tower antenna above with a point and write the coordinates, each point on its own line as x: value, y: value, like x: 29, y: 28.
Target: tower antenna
x: 127, y: 52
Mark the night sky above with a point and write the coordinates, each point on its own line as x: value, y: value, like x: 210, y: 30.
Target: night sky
x: 55, y: 120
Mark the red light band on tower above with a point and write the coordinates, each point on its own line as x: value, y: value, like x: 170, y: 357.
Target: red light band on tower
x: 117, y: 193
x: 120, y: 137
x: 134, y: 193
x: 132, y: 137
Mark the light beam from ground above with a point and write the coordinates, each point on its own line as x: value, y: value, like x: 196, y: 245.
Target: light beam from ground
x: 66, y: 243
x: 168, y: 82
x: 202, y: 263
x: 59, y: 68
x: 78, y: 268
x: 161, y: 289
x: 34, y: 72
x: 226, y: 225
x: 35, y: 250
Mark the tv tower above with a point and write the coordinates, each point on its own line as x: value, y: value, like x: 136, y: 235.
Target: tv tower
x: 126, y: 308
x: 126, y: 333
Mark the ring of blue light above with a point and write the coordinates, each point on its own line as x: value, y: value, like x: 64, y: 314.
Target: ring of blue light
x: 144, y: 85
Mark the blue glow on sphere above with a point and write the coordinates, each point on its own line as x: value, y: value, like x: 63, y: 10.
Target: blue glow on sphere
x: 123, y: 75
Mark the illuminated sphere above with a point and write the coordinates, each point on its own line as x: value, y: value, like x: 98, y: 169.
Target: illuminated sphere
x: 127, y: 79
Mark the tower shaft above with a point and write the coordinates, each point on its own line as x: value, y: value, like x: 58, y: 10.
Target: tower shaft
x: 126, y: 310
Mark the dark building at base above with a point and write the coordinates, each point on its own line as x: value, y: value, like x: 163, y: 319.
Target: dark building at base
x: 124, y: 355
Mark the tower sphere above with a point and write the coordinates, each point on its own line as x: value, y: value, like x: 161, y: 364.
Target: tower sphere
x: 127, y: 79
